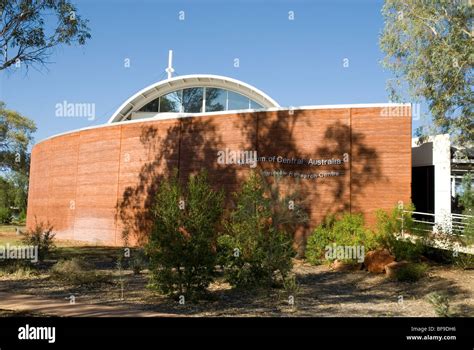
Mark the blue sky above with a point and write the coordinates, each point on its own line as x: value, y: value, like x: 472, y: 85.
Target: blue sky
x: 297, y: 62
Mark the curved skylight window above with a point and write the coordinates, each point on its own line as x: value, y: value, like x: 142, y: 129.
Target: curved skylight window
x: 196, y: 93
x: 200, y: 100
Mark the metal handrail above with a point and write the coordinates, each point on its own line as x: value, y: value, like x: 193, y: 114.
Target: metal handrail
x: 455, y: 222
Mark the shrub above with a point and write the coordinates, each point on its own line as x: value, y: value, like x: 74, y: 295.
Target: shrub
x: 120, y: 281
x: 291, y: 285
x: 21, y: 220
x: 468, y: 233
x: 389, y: 228
x: 182, y: 243
x: 5, y: 215
x: 466, y: 199
x: 440, y: 303
x: 442, y: 256
x: 349, y: 230
x: 41, y: 236
x: 319, y: 240
x: 138, y: 262
x: 255, y: 252
x: 288, y: 212
x: 77, y: 271
x: 411, y: 272
x: 464, y: 261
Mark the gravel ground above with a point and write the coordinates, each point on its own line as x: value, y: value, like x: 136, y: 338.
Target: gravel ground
x: 322, y: 292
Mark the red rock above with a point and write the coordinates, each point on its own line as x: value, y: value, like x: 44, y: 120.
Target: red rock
x: 376, y: 260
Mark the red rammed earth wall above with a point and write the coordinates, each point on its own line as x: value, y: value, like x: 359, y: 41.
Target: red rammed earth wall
x: 94, y: 184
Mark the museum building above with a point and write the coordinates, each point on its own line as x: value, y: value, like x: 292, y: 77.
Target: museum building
x: 97, y: 183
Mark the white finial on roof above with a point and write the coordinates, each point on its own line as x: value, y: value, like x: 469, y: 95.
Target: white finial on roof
x: 170, y: 69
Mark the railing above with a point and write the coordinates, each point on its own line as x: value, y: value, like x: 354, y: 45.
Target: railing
x: 438, y: 223
x: 446, y: 229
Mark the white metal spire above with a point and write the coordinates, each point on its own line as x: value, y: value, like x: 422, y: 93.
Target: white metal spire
x: 170, y: 69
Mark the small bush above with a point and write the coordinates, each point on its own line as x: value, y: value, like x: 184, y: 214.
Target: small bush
x: 438, y: 255
x: 21, y: 220
x: 388, y: 231
x: 255, y: 252
x: 77, y: 271
x: 182, y: 245
x: 411, y: 272
x: 319, y: 240
x: 291, y: 285
x: 41, y: 236
x: 468, y: 234
x: 440, y: 303
x: 138, y: 262
x: 120, y: 281
x: 464, y: 261
x: 349, y: 230
x: 5, y: 215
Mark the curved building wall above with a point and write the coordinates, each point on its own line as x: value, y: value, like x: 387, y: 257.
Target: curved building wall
x: 94, y: 184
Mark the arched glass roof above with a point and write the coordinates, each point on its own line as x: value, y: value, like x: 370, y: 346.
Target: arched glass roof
x: 192, y: 94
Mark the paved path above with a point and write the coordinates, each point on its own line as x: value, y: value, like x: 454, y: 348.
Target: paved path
x: 55, y: 307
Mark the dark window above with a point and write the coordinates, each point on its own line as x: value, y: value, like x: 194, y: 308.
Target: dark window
x: 171, y: 102
x: 192, y: 100
x: 422, y: 190
x: 150, y: 106
x: 216, y: 99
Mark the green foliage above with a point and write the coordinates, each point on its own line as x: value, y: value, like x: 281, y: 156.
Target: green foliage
x: 288, y: 212
x: 388, y: 232
x: 255, y: 252
x: 120, y: 281
x: 466, y: 199
x: 21, y: 220
x: 348, y: 230
x: 31, y: 29
x: 78, y: 272
x: 319, y: 240
x: 405, y: 250
x: 291, y: 285
x: 42, y: 236
x: 182, y: 245
x: 438, y: 255
x: 5, y: 215
x: 440, y: 303
x: 6, y: 200
x: 19, y: 189
x: 469, y: 230
x: 428, y: 45
x: 464, y: 261
x: 16, y: 135
x: 411, y: 272
x: 138, y: 262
